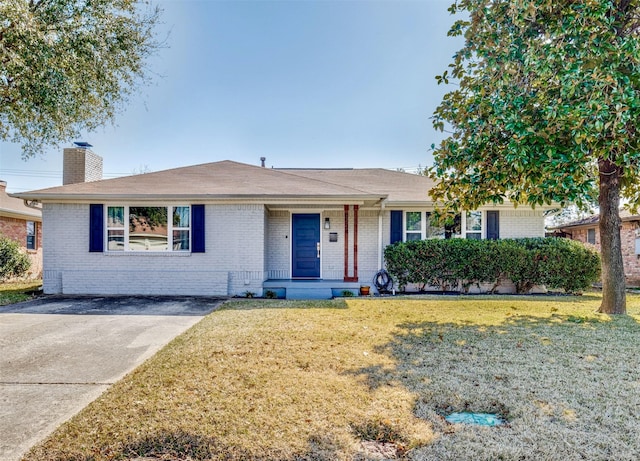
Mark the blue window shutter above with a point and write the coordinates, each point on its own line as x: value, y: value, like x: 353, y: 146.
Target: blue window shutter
x: 96, y: 228
x: 396, y: 226
x: 197, y: 228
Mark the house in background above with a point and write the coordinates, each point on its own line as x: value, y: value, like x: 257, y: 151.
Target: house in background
x: 586, y: 231
x: 227, y: 228
x: 24, y: 225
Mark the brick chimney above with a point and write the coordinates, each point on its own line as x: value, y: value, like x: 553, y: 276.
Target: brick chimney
x: 80, y: 164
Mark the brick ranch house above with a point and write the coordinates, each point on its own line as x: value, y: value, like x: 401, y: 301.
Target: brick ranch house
x: 23, y: 224
x: 228, y: 228
x: 586, y: 231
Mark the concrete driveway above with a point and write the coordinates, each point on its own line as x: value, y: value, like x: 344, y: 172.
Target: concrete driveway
x: 59, y: 353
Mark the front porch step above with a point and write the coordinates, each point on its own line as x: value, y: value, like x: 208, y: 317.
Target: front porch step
x: 310, y: 289
x: 309, y: 293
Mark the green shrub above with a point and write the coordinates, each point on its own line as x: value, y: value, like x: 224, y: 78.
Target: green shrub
x: 461, y: 263
x: 13, y: 263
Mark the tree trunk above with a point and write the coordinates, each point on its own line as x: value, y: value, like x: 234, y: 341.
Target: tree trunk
x: 613, y: 282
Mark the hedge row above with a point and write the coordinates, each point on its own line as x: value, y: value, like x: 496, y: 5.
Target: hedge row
x: 457, y: 264
x: 13, y: 263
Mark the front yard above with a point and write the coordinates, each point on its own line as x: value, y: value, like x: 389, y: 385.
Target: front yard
x: 358, y: 379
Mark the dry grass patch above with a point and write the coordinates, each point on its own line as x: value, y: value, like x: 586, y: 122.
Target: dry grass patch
x: 368, y: 379
x: 15, y: 292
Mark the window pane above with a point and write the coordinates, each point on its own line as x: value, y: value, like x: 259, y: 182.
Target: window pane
x: 180, y: 239
x: 181, y: 216
x: 474, y: 221
x: 414, y: 236
x: 473, y: 235
x: 414, y: 221
x: 115, y: 216
x: 434, y: 231
x: 452, y: 227
x: 148, y: 228
x: 31, y: 235
x: 115, y: 240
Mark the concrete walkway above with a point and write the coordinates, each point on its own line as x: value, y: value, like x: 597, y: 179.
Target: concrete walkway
x: 57, y: 354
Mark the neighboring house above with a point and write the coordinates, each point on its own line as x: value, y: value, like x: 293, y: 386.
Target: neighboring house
x: 24, y: 225
x: 586, y: 231
x: 228, y: 228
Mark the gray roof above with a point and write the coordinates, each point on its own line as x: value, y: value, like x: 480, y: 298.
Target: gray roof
x: 593, y: 220
x: 229, y: 180
x: 15, y: 207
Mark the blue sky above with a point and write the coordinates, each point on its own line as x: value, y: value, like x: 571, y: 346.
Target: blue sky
x: 323, y: 84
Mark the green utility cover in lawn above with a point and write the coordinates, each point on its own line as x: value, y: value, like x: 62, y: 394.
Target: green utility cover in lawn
x: 479, y: 419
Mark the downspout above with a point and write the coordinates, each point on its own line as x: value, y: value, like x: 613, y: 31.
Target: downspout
x: 380, y: 243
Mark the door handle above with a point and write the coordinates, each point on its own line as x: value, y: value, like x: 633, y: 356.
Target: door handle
x: 318, y: 249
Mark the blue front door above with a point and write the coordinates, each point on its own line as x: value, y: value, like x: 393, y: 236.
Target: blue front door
x: 305, y: 245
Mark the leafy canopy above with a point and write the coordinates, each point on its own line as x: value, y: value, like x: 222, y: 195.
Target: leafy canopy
x: 546, y: 90
x: 69, y: 65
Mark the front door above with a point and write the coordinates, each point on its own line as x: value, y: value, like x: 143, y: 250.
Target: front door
x: 305, y: 245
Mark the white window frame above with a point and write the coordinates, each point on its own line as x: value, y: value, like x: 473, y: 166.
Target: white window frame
x: 34, y: 227
x: 424, y: 224
x: 125, y: 228
x: 483, y: 224
x: 422, y: 231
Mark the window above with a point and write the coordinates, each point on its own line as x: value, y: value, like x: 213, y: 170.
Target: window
x: 413, y: 225
x: 148, y: 228
x: 473, y: 226
x: 591, y: 236
x: 115, y: 228
x: 418, y: 226
x: 453, y: 227
x: 31, y: 235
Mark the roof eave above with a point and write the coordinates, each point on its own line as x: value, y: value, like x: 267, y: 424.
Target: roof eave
x: 20, y: 215
x: 249, y: 198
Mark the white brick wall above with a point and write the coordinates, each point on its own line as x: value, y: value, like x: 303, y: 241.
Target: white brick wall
x: 521, y: 223
x: 333, y: 252
x: 367, y: 245
x: 278, y: 246
x: 233, y: 262
x: 245, y: 244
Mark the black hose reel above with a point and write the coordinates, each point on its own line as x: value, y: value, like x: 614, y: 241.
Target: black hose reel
x: 383, y: 281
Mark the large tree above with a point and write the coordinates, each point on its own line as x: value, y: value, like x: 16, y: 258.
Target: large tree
x: 546, y: 108
x: 69, y: 65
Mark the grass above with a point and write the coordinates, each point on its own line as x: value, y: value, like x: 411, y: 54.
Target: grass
x: 359, y: 379
x: 15, y: 292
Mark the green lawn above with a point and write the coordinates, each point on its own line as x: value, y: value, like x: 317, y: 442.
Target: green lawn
x: 15, y: 292
x: 356, y: 379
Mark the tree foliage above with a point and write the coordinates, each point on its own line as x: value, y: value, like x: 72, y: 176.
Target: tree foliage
x: 13, y: 263
x: 69, y: 65
x: 546, y: 110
